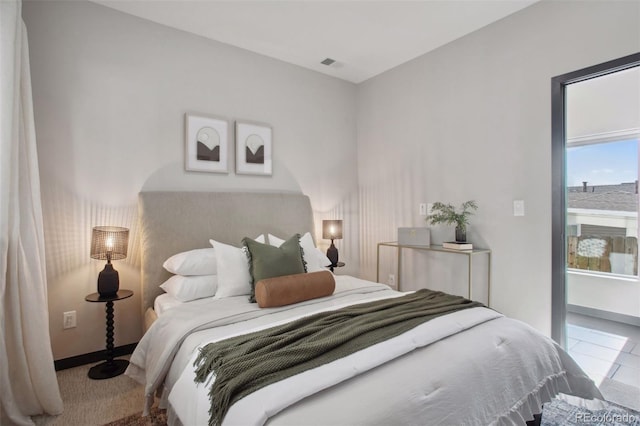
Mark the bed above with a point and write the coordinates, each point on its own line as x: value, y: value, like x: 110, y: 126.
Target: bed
x: 469, y: 367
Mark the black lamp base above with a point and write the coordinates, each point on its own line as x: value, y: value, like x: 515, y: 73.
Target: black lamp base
x: 108, y: 369
x: 332, y: 254
x: 108, y: 281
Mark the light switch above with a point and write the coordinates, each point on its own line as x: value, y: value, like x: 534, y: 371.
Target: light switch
x: 518, y: 207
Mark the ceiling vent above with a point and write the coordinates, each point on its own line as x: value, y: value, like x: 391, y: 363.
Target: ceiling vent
x: 328, y: 61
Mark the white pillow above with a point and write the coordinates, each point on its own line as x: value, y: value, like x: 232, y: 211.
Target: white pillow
x: 315, y: 259
x: 196, y: 262
x: 233, y: 270
x: 275, y: 241
x: 193, y: 262
x: 323, y: 260
x: 186, y: 289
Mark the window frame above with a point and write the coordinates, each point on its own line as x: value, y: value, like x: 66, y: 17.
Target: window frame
x: 558, y: 184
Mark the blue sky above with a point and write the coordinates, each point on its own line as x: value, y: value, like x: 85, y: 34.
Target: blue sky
x: 603, y: 164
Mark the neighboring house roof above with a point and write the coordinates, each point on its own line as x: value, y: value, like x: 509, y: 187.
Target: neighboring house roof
x: 621, y: 197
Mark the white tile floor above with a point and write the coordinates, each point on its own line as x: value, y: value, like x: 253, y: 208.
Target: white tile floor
x: 609, y: 352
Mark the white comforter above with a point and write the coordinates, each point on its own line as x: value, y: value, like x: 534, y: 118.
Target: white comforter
x: 499, y: 370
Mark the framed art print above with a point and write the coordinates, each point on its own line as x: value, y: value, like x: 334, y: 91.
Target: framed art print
x: 254, y: 148
x: 207, y: 143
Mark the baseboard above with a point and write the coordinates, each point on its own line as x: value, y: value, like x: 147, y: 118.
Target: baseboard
x: 611, y: 316
x: 93, y: 357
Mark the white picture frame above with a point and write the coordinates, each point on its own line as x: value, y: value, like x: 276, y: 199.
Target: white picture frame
x: 254, y: 149
x: 206, y: 143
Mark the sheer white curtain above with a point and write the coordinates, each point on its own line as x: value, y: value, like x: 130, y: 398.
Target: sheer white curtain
x: 28, y: 384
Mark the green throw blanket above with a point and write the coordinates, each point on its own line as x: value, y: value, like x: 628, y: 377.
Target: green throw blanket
x: 246, y: 363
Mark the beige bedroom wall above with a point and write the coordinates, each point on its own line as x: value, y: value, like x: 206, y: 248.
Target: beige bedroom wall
x: 472, y: 120
x: 110, y: 92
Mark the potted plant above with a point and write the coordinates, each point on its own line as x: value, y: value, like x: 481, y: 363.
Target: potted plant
x: 447, y: 214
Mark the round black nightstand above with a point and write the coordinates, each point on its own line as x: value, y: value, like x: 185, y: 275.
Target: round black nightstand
x: 337, y: 265
x: 111, y: 367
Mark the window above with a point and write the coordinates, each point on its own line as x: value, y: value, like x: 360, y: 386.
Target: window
x: 602, y: 207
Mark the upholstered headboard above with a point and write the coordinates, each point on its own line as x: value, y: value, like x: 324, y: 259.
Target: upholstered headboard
x: 172, y: 222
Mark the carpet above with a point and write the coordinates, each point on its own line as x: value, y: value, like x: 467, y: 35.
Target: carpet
x: 565, y: 410
x: 561, y: 413
x: 156, y: 417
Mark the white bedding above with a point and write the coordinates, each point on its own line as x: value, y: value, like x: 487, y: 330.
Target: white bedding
x: 165, y: 301
x: 499, y: 371
x: 191, y: 404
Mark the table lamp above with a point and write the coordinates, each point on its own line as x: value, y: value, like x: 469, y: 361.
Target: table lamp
x: 110, y: 243
x: 332, y: 230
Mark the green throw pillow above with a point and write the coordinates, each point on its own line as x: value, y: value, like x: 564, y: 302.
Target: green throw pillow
x: 267, y: 261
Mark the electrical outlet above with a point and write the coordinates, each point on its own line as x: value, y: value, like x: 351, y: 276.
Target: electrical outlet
x: 422, y: 207
x: 392, y: 280
x: 69, y: 319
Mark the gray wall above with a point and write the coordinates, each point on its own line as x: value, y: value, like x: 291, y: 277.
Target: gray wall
x: 110, y: 92
x: 472, y: 120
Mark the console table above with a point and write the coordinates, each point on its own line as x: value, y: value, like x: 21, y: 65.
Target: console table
x: 437, y: 248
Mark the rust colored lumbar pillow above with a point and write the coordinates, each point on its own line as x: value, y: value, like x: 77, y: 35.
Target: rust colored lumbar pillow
x: 288, y: 289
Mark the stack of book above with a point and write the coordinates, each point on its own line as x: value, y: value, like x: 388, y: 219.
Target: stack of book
x: 454, y: 245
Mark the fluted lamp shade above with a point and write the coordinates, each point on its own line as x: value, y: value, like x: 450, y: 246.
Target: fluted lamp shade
x: 332, y: 230
x: 109, y: 243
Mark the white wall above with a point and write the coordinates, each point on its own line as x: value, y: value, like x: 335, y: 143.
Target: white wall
x: 597, y: 291
x: 472, y: 120
x: 110, y: 93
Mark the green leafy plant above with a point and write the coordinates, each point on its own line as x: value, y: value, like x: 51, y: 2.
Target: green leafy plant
x: 447, y: 214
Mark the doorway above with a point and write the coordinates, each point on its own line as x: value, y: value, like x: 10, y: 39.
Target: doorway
x: 594, y: 217
x: 559, y: 183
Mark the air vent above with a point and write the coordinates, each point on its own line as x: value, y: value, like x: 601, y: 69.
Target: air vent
x: 328, y: 61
